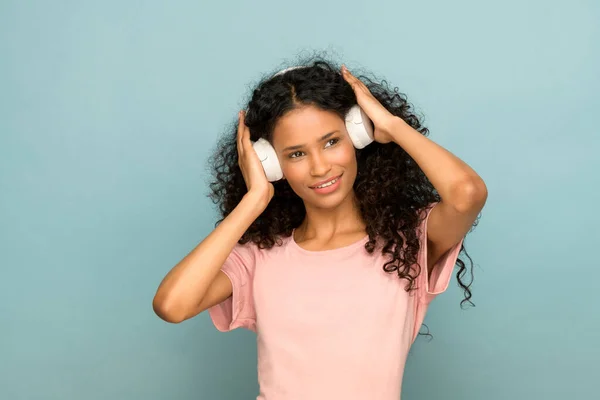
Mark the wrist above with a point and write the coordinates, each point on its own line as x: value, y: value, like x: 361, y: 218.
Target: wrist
x: 256, y: 202
x: 396, y: 128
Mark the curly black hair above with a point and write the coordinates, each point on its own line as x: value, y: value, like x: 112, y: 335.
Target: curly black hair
x: 391, y: 189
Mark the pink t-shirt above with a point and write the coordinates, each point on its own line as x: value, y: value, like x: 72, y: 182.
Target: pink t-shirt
x: 330, y: 324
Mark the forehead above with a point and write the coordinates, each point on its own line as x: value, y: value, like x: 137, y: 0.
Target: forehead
x: 305, y: 125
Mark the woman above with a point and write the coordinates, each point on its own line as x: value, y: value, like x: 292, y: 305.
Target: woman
x: 335, y: 264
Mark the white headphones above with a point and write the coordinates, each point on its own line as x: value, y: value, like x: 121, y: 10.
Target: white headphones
x: 358, y: 125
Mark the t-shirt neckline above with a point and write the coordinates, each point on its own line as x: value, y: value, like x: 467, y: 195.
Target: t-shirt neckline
x: 329, y: 251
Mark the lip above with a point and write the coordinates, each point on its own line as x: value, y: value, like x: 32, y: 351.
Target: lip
x: 325, y: 181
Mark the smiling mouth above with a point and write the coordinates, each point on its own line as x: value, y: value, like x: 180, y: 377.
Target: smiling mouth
x: 329, y: 183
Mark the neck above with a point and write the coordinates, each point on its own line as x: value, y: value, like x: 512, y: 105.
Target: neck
x: 325, y: 223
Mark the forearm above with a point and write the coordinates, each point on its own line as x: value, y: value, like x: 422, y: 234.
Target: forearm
x: 185, y: 285
x: 455, y: 181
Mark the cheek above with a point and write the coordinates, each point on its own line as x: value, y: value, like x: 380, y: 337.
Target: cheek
x: 294, y: 172
x: 345, y: 156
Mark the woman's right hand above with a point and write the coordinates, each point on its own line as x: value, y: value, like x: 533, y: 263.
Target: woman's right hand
x: 252, y: 170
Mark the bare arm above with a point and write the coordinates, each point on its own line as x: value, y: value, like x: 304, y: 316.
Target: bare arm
x: 462, y: 190
x: 187, y: 289
x: 463, y: 193
x: 196, y: 282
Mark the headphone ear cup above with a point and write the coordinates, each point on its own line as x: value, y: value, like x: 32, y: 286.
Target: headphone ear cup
x: 268, y: 158
x: 359, y: 127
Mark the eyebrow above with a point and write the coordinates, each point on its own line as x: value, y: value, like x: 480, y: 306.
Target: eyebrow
x: 299, y: 146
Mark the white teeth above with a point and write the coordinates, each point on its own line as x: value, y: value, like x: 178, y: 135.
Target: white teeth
x: 327, y: 184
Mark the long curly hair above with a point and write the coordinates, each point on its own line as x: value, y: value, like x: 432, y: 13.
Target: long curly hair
x: 391, y: 189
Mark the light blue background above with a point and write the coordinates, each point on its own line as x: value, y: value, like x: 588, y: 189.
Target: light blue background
x: 108, y: 111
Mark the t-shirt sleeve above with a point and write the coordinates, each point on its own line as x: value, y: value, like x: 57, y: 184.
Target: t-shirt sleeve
x: 441, y: 273
x: 237, y: 311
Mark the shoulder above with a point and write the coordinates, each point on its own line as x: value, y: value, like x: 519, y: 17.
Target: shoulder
x: 252, y: 251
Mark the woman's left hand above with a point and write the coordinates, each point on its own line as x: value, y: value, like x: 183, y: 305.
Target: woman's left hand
x: 383, y: 120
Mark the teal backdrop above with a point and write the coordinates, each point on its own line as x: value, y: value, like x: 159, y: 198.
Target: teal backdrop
x: 109, y: 110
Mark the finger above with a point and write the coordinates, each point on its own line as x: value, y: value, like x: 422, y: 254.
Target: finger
x: 347, y: 74
x: 242, y: 127
x: 351, y: 79
x: 240, y: 132
x: 356, y: 83
x: 246, y: 143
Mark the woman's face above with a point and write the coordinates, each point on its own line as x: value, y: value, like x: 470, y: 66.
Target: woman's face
x: 314, y: 148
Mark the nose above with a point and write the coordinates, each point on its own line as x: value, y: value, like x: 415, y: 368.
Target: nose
x: 320, y: 165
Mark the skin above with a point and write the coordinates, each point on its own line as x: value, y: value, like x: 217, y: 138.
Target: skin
x: 322, y: 150
x: 196, y: 283
x: 463, y: 192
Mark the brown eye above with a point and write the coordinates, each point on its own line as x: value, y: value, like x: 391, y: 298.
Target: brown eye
x: 334, y: 140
